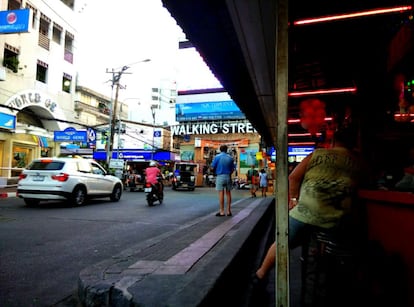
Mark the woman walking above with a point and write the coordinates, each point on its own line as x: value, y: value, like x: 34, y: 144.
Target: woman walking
x: 263, y: 182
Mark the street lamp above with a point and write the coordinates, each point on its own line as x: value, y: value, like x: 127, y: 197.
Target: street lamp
x: 116, y: 77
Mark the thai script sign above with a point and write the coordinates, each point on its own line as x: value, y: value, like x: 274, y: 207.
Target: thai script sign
x: 15, y: 21
x: 70, y: 134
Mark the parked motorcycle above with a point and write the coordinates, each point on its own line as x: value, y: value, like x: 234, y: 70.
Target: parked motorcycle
x: 155, y: 192
x: 240, y: 184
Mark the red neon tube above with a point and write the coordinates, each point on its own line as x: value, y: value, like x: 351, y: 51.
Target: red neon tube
x: 400, y: 9
x: 323, y: 92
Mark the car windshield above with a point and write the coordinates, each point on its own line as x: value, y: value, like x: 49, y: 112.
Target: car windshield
x: 50, y: 165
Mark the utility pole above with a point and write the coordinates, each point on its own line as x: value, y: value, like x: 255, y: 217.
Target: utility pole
x: 116, y: 76
x: 153, y: 107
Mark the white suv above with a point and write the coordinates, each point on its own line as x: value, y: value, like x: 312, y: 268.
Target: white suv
x: 71, y: 179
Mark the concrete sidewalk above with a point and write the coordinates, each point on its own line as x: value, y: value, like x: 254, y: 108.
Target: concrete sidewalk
x: 208, y: 262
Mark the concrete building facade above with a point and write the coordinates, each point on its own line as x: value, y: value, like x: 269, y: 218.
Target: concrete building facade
x: 37, y: 77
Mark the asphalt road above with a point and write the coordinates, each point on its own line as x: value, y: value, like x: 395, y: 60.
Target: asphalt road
x: 43, y: 249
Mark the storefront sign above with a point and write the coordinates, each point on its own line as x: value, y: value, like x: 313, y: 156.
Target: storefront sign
x: 213, y: 128
x: 28, y: 98
x: 70, y: 135
x: 232, y: 143
x: 15, y: 21
x: 7, y: 121
x: 135, y: 155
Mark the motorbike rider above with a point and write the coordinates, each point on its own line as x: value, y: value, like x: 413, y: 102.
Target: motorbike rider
x: 154, y: 175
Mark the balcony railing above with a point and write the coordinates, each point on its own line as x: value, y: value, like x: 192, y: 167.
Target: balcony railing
x: 101, y: 112
x: 44, y: 41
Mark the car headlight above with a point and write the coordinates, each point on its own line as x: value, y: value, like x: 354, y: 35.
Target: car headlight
x: 192, y: 178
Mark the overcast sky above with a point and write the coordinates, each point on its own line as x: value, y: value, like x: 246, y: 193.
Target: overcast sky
x: 113, y: 34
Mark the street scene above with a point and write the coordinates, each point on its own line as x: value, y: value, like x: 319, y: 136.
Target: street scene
x: 44, y: 249
x: 206, y: 153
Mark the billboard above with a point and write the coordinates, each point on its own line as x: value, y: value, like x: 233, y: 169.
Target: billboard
x: 209, y: 110
x: 14, y: 21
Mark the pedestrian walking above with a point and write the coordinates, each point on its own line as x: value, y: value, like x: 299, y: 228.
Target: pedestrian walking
x: 263, y: 182
x: 252, y: 179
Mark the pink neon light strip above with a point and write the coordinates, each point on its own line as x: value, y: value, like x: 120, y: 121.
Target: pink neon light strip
x: 297, y: 120
x: 303, y: 134
x: 400, y: 9
x: 302, y: 143
x: 322, y: 92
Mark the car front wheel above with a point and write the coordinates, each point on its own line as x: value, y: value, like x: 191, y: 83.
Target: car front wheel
x: 78, y: 197
x: 116, y: 193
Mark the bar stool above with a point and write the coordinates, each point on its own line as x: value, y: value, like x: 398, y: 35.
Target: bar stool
x: 327, y: 270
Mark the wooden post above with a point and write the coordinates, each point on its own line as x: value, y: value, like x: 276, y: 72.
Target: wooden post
x: 281, y: 106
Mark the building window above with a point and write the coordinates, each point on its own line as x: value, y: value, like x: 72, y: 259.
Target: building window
x: 14, y: 5
x: 69, y: 3
x: 69, y: 47
x: 34, y: 15
x: 10, y: 58
x: 103, y: 108
x: 41, y: 71
x: 57, y: 33
x: 44, y: 25
x: 66, y: 83
x: 44, y: 40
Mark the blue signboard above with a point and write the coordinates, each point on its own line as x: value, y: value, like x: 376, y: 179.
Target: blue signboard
x: 300, y: 150
x: 70, y: 135
x: 91, y: 133
x: 131, y: 155
x: 293, y: 151
x: 212, y: 110
x: 15, y: 21
x: 7, y: 121
x: 272, y: 153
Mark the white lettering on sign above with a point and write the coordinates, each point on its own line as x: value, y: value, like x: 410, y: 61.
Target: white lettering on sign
x: 212, y: 128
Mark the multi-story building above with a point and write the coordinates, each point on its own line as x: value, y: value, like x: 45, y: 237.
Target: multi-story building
x: 37, y: 75
x: 163, y: 101
x: 43, y: 109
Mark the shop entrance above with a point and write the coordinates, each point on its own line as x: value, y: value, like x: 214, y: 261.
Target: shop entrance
x: 22, y: 155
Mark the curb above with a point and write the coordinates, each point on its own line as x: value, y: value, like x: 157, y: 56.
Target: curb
x: 191, y: 275
x: 8, y: 194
